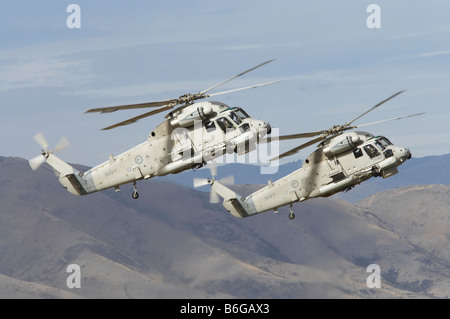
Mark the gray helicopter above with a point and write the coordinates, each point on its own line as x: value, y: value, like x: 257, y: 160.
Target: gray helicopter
x: 193, y: 134
x: 341, y: 161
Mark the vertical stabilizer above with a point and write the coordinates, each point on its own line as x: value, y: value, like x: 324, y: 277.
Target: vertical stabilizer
x: 234, y: 203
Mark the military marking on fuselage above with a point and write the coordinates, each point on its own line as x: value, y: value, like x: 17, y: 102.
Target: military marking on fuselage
x: 269, y: 196
x: 110, y: 172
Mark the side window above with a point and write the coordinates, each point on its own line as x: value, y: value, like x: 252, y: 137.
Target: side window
x: 245, y: 127
x: 371, y: 151
x: 380, y: 145
x: 225, y: 124
x: 210, y: 126
x: 235, y: 118
x: 358, y: 152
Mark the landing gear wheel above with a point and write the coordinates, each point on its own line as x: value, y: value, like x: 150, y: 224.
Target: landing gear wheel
x: 135, y: 194
x: 291, y: 215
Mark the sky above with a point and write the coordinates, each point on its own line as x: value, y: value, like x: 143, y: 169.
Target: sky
x: 333, y: 65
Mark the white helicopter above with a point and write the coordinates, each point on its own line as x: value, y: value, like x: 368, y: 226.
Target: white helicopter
x: 191, y: 135
x: 341, y: 161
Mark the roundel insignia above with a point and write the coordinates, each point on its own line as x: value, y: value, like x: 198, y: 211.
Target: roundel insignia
x: 294, y: 184
x: 138, y: 159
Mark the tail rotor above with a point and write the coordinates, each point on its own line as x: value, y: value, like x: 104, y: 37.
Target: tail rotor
x: 37, y: 161
x: 200, y: 182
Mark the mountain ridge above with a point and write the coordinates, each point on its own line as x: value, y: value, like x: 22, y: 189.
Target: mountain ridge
x: 166, y: 246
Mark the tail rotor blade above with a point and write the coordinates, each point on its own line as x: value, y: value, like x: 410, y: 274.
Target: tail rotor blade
x: 199, y: 182
x: 36, y: 162
x: 214, y: 197
x: 213, y: 169
x: 62, y: 144
x: 229, y: 180
x: 40, y: 139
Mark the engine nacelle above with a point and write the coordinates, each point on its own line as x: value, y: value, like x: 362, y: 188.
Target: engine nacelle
x: 200, y: 114
x: 349, y: 142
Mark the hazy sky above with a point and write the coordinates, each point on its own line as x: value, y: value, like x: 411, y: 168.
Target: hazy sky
x: 333, y: 67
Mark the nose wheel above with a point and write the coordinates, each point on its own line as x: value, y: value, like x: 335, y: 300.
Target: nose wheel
x: 135, y: 194
x: 291, y: 214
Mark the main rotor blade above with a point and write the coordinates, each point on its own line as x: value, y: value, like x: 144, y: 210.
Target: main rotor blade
x: 393, y: 119
x: 374, y: 107
x: 291, y: 136
x: 244, y: 88
x: 298, y: 148
x: 136, y: 118
x: 234, y: 77
x: 111, y: 109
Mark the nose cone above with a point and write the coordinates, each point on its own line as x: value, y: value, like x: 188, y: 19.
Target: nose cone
x: 403, y: 154
x: 268, y: 128
x: 263, y: 128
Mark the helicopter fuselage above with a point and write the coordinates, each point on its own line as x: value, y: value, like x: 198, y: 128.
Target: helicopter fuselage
x: 339, y: 163
x: 188, y: 138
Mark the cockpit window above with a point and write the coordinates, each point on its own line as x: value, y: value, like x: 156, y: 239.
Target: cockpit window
x: 358, y: 152
x: 235, y: 118
x: 380, y: 144
x: 385, y: 141
x: 245, y: 127
x: 210, y: 126
x: 241, y: 113
x: 225, y: 124
x: 371, y: 151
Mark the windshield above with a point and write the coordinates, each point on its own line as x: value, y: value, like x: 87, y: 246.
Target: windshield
x: 241, y: 114
x: 385, y: 141
x: 382, y: 143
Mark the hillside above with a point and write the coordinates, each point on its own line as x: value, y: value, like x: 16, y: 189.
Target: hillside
x: 171, y: 243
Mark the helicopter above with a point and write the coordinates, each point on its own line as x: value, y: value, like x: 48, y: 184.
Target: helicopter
x: 341, y: 161
x: 193, y: 134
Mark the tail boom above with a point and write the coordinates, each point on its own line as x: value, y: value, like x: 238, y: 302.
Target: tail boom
x: 74, y: 181
x: 234, y: 203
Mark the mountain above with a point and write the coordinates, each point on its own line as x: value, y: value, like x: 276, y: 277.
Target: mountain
x: 172, y: 243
